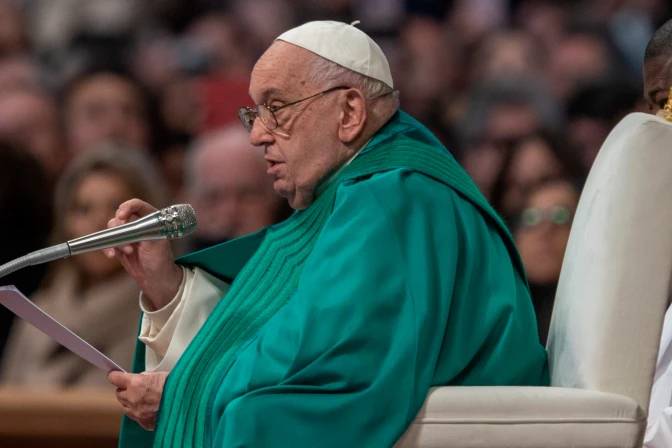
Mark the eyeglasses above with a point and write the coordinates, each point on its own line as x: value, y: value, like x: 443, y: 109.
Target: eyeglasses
x: 532, y: 217
x: 267, y: 114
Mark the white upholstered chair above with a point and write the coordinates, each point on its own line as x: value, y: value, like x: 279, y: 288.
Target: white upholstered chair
x: 606, y: 323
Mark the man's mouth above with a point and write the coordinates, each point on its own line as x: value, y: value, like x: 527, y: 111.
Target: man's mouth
x: 273, y: 166
x: 272, y: 163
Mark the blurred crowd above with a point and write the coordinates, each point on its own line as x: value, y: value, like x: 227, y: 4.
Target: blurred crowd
x: 105, y: 100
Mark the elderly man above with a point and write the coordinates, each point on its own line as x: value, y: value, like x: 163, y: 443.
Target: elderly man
x: 394, y: 275
x: 226, y: 182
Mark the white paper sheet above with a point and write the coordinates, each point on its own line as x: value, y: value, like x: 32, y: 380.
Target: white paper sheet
x: 17, y: 303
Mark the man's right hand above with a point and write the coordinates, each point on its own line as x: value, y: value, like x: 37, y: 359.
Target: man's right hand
x: 150, y: 263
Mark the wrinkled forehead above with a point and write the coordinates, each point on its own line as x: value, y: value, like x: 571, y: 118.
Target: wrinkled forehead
x: 281, y: 72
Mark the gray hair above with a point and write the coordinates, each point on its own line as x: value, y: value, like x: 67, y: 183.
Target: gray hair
x: 232, y: 134
x: 326, y: 73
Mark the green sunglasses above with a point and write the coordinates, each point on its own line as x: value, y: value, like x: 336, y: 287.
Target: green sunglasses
x: 532, y: 217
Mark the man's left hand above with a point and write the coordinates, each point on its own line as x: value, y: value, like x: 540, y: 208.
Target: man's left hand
x: 139, y: 395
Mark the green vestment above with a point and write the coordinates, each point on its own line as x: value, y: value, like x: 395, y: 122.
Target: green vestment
x: 398, y: 278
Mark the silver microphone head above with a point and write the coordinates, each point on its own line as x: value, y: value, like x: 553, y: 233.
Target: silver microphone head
x: 177, y: 220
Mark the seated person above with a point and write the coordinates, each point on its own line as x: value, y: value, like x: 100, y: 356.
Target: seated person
x: 394, y: 275
x: 658, y: 96
x: 89, y: 293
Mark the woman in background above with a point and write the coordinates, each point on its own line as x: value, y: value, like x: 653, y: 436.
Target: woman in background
x: 88, y: 293
x: 528, y: 161
x: 541, y: 234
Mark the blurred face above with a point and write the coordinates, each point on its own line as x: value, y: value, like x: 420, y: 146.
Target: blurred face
x: 544, y: 231
x: 544, y: 21
x: 234, y: 196
x: 534, y: 162
x: 305, y: 148
x: 17, y: 73
x: 12, y: 33
x: 181, y: 106
x: 510, y: 53
x: 580, y: 59
x: 505, y: 123
x: 30, y: 120
x: 657, y: 82
x: 106, y: 107
x: 95, y: 202
x: 217, y: 35
x: 426, y: 69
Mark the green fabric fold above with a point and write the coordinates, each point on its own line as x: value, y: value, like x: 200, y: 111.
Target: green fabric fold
x: 265, y: 268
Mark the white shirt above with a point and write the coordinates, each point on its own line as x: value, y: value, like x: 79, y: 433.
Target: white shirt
x: 659, y: 425
x: 167, y: 332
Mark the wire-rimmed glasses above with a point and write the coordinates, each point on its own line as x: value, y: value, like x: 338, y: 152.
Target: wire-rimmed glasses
x: 267, y: 114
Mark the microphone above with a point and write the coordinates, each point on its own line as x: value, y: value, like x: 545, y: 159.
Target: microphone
x: 169, y: 223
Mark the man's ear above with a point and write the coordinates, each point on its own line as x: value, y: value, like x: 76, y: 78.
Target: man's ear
x: 353, y: 116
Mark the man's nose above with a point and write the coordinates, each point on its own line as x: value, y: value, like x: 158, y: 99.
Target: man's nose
x: 260, y: 135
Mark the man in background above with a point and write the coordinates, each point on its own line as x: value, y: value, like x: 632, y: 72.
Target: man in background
x: 227, y: 184
x: 657, y: 83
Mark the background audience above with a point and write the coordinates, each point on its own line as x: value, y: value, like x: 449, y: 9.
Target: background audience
x: 88, y: 293
x: 227, y: 184
x: 522, y: 92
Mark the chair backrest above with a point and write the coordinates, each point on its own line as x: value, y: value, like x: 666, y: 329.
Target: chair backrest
x: 615, y: 280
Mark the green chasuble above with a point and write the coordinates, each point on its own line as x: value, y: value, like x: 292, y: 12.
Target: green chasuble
x: 399, y: 277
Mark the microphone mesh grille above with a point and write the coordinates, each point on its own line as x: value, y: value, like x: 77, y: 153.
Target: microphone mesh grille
x: 186, y: 216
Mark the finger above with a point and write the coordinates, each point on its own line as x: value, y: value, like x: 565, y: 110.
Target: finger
x: 125, y: 261
x: 147, y: 425
x: 119, y: 379
x: 115, y: 222
x: 122, y: 397
x: 114, y: 252
x: 134, y: 206
x: 123, y: 256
